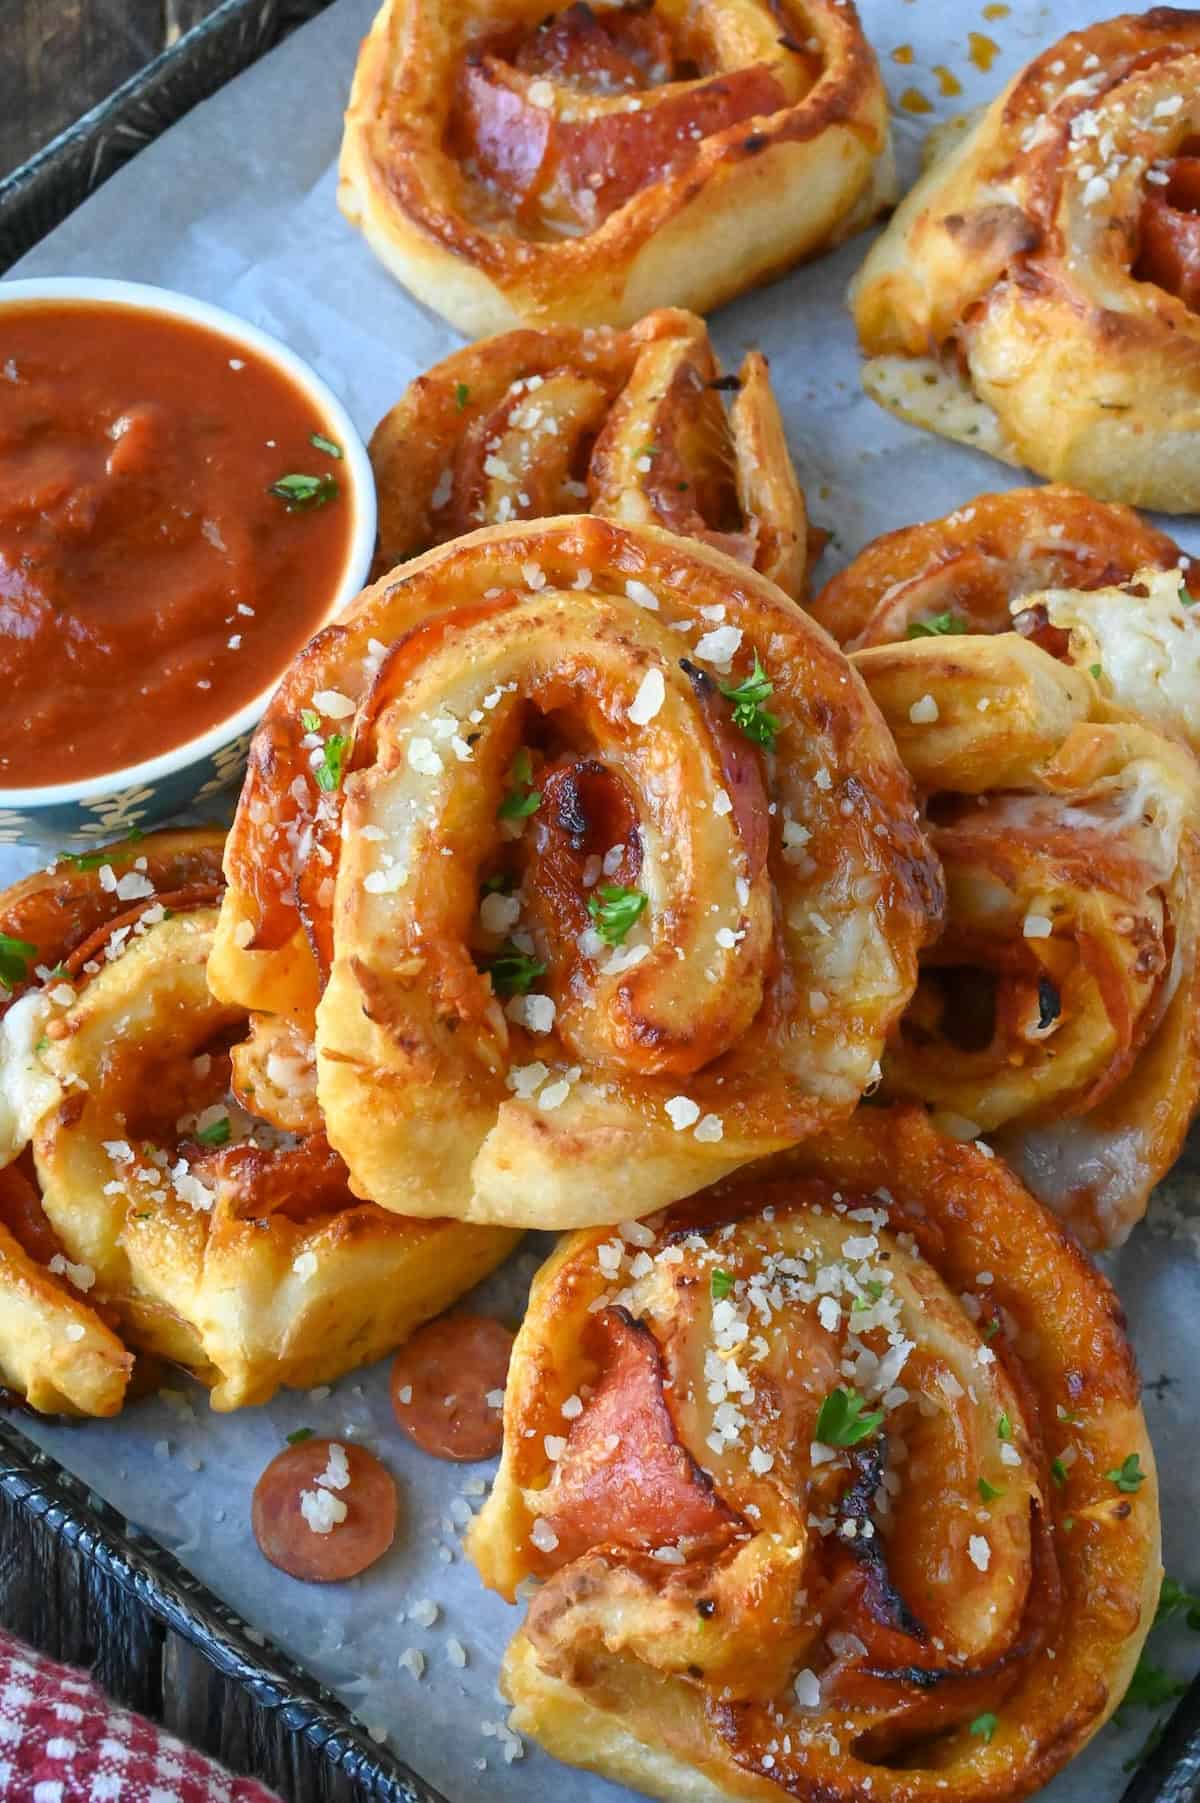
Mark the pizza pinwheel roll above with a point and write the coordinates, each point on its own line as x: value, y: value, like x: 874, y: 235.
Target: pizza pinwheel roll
x: 1089, y: 581
x: 1036, y: 294
x: 831, y: 1482
x: 581, y: 167
x: 968, y: 572
x: 629, y: 425
x: 600, y: 861
x: 57, y: 1351
x: 1057, y: 1014
x: 179, y: 1183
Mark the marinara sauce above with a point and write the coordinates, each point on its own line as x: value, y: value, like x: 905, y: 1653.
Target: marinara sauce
x: 150, y: 581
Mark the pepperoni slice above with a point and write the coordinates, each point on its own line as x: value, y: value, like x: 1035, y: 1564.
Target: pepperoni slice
x: 625, y: 1477
x: 283, y: 1521
x: 441, y: 1382
x: 1169, y: 253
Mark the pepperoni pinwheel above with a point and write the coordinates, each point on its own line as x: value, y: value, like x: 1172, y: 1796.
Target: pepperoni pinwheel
x: 963, y: 573
x: 1089, y: 581
x: 831, y: 1482
x: 600, y: 861
x: 1058, y: 1012
x: 1035, y: 295
x: 585, y: 166
x: 167, y: 1179
x: 628, y: 425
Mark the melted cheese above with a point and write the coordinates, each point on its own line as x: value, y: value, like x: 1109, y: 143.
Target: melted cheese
x: 27, y: 1090
x: 1147, y: 648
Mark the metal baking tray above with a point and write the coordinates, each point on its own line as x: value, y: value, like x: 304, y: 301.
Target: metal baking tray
x: 33, y: 200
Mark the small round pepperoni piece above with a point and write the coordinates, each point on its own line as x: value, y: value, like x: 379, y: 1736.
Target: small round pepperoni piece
x: 323, y: 1511
x: 446, y: 1385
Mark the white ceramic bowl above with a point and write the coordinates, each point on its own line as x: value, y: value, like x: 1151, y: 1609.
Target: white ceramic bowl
x: 107, y: 806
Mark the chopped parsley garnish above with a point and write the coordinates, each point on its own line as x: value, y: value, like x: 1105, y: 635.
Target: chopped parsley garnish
x: 43, y: 1044
x: 216, y: 1133
x: 985, y: 1725
x: 301, y: 493
x: 92, y: 860
x: 615, y: 909
x: 935, y: 627
x: 990, y: 1331
x: 319, y: 441
x: 1128, y: 1475
x: 1058, y: 1472
x: 310, y: 719
x: 874, y: 1290
x: 989, y: 1492
x: 749, y: 700
x: 328, y: 771
x: 514, y: 971
x: 462, y: 395
x: 1171, y: 1599
x: 720, y: 1285
x: 521, y: 800
x: 299, y: 1435
x: 498, y: 884
x: 841, y: 1421
x: 1151, y: 1686
x: 14, y: 960
x: 648, y: 450
x: 1003, y: 1428
x: 1095, y: 670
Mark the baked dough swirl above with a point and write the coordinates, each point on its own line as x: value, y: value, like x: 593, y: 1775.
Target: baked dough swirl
x: 587, y: 932
x: 1034, y: 295
x: 1057, y: 1014
x: 1088, y: 581
x: 628, y: 425
x: 586, y: 166
x: 963, y: 573
x: 816, y: 1476
x: 58, y: 1352
x: 180, y: 1195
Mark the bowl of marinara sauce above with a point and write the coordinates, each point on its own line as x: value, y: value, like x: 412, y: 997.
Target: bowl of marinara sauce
x: 183, y: 504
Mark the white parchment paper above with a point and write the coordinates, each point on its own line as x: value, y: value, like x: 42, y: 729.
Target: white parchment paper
x: 236, y: 204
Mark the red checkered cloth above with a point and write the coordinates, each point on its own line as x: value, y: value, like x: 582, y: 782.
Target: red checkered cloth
x: 63, y: 1741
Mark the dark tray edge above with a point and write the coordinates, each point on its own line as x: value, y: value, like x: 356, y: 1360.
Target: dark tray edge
x: 50, y: 1494
x: 43, y: 191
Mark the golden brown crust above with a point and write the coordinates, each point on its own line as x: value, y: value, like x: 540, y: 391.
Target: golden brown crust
x: 670, y: 1667
x: 167, y: 1199
x: 1005, y: 305
x: 967, y: 569
x: 538, y: 719
x: 628, y: 425
x: 1057, y: 1014
x: 790, y: 156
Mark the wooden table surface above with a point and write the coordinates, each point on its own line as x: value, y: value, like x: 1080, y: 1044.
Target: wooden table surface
x: 57, y: 58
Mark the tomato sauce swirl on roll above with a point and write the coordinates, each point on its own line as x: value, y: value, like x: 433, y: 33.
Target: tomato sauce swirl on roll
x: 1035, y: 294
x: 616, y: 884
x: 964, y: 572
x: 166, y: 1186
x: 629, y: 425
x: 1056, y: 1014
x: 831, y: 1481
x: 583, y: 166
